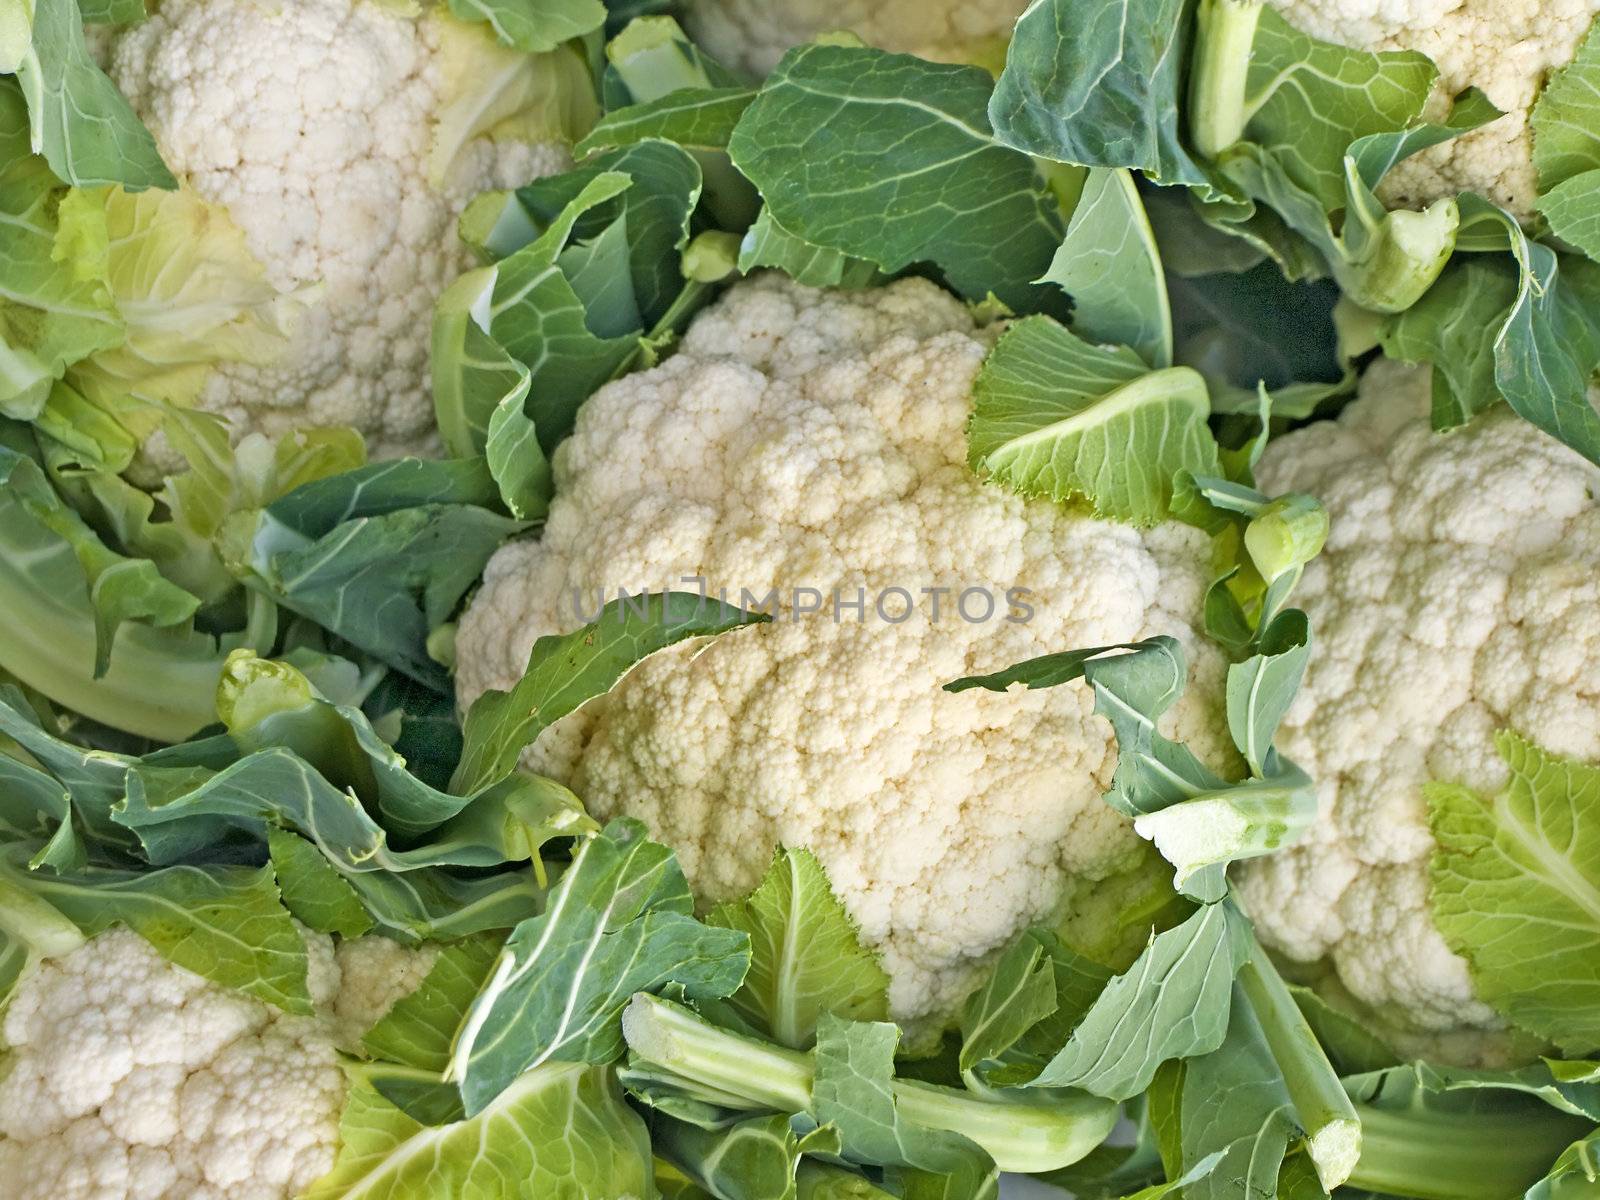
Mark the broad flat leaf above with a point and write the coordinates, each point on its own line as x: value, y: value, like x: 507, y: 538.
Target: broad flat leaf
x: 1055, y: 416
x: 534, y: 25
x: 1172, y: 1003
x: 36, y: 807
x: 619, y: 922
x: 560, y: 1132
x: 565, y: 670
x: 806, y: 956
x: 80, y: 122
x: 418, y: 1030
x: 889, y: 158
x: 516, y: 459
x: 1099, y: 84
x: 694, y: 118
x: 1110, y: 266
x: 224, y: 923
x: 312, y: 890
x: 1308, y: 100
x: 1516, y: 891
x: 381, y: 555
x: 93, y: 780
x: 431, y: 905
x: 1573, y: 209
x: 1566, y: 119
x: 854, y: 1092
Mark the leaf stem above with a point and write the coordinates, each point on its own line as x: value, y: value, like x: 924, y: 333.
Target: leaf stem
x: 672, y: 1045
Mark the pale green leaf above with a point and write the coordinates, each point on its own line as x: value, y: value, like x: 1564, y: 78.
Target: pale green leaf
x: 806, y: 956
x: 1055, y: 416
x: 1516, y: 891
x: 1566, y: 119
x: 560, y: 1132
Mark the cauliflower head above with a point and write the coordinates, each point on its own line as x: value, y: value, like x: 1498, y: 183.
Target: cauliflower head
x: 815, y: 439
x: 342, y: 137
x: 752, y: 35
x: 1459, y: 593
x: 129, y: 1078
x: 1506, y: 50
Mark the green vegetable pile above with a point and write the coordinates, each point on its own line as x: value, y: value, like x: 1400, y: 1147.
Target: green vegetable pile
x: 227, y: 710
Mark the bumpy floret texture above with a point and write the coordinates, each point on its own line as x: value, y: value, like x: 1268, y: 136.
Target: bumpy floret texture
x: 752, y: 35
x: 1507, y: 50
x: 810, y: 439
x: 312, y: 121
x: 1459, y: 594
x: 130, y: 1078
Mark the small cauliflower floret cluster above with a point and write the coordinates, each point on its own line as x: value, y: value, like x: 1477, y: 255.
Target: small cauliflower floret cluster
x: 1507, y: 50
x: 1459, y: 594
x: 752, y: 35
x: 317, y: 124
x: 129, y: 1078
x: 813, y: 439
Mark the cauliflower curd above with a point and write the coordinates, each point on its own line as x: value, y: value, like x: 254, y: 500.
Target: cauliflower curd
x: 334, y: 134
x: 1459, y: 593
x: 129, y: 1078
x: 1507, y: 50
x: 804, y: 438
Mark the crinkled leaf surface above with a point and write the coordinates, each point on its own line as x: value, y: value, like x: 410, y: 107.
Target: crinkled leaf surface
x: 1056, y: 416
x: 1516, y: 891
x: 559, y: 1132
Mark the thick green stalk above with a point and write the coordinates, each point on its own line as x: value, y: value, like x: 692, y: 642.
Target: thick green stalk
x: 1323, y: 1110
x: 1428, y: 1155
x: 672, y: 1045
x: 1225, y: 31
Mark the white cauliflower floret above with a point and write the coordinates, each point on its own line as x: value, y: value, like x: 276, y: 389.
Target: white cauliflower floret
x: 129, y: 1078
x: 1507, y: 50
x: 1459, y: 594
x: 313, y: 123
x: 752, y: 35
x: 803, y: 438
